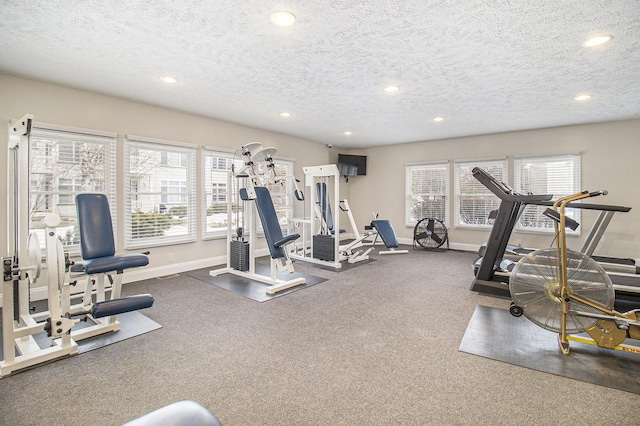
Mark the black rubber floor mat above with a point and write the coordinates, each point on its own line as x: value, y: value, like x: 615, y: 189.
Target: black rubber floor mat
x: 494, y: 333
x: 254, y: 290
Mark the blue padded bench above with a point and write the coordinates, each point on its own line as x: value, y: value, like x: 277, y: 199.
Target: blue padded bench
x: 386, y: 232
x: 272, y: 230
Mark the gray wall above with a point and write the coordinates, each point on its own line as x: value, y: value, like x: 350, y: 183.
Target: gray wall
x: 60, y: 105
x: 610, y: 159
x: 610, y: 152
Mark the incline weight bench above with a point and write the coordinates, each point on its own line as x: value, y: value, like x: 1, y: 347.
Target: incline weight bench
x: 276, y: 242
x: 385, y: 230
x: 272, y: 231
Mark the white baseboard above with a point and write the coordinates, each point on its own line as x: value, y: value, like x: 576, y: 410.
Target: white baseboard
x: 452, y: 246
x: 170, y: 269
x: 140, y: 274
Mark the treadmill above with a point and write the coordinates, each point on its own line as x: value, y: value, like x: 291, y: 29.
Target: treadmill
x: 492, y: 270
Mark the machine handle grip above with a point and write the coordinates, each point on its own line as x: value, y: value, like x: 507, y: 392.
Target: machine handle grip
x: 596, y: 193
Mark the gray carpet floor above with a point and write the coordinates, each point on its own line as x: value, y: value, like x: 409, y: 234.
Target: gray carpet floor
x: 374, y: 345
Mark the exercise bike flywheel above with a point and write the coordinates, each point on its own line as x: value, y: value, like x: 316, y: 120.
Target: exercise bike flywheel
x: 535, y: 285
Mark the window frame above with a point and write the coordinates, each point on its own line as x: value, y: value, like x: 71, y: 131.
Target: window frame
x: 410, y: 206
x: 283, y: 167
x: 160, y: 170
x: 215, y: 157
x: 283, y: 199
x: 533, y: 213
x: 102, y: 145
x: 478, y: 191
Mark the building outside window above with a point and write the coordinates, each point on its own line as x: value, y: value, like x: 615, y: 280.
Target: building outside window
x: 160, y: 186
x: 64, y: 162
x: 217, y: 192
x: 558, y: 175
x: 473, y: 201
x: 426, y: 192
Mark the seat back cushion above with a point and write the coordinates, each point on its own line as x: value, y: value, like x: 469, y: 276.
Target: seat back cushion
x: 96, y: 228
x: 269, y: 219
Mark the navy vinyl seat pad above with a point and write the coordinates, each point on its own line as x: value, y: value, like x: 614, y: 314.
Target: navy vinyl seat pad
x: 270, y: 224
x: 105, y: 264
x: 286, y: 240
x: 386, y: 232
x: 97, y: 244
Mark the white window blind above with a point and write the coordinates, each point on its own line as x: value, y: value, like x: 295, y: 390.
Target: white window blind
x: 426, y: 192
x: 558, y: 175
x: 473, y: 201
x: 64, y: 162
x: 282, y: 193
x: 160, y: 192
x: 216, y: 168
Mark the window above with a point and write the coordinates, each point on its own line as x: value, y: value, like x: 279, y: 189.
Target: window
x: 557, y: 175
x: 474, y: 201
x: 68, y: 152
x: 68, y: 187
x: 173, y: 192
x: 282, y: 192
x: 173, y: 159
x: 159, y: 192
x: 64, y: 162
x: 426, y: 192
x: 217, y: 192
x: 216, y: 169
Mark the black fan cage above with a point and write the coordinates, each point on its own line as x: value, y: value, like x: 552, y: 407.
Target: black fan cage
x: 430, y: 233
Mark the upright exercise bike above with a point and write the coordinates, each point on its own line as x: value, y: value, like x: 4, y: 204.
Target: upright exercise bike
x: 567, y: 292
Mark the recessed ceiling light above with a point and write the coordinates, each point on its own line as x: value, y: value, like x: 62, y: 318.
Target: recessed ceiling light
x: 596, y: 41
x: 438, y: 119
x: 168, y: 79
x: 285, y: 114
x: 582, y: 97
x: 391, y: 89
x: 347, y: 133
x: 283, y: 19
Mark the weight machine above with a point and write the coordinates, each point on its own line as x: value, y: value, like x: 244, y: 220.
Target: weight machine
x: 246, y: 185
x: 100, y: 302
x: 321, y: 231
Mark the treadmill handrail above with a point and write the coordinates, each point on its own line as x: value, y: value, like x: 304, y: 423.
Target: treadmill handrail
x: 503, y: 191
x: 587, y: 206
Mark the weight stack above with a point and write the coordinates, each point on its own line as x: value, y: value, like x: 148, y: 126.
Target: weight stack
x: 323, y: 247
x: 239, y: 252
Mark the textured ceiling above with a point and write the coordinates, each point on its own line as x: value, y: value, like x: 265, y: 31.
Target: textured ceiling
x: 486, y: 66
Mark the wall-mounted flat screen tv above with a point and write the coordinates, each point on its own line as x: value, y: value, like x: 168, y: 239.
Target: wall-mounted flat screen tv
x: 352, y: 165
